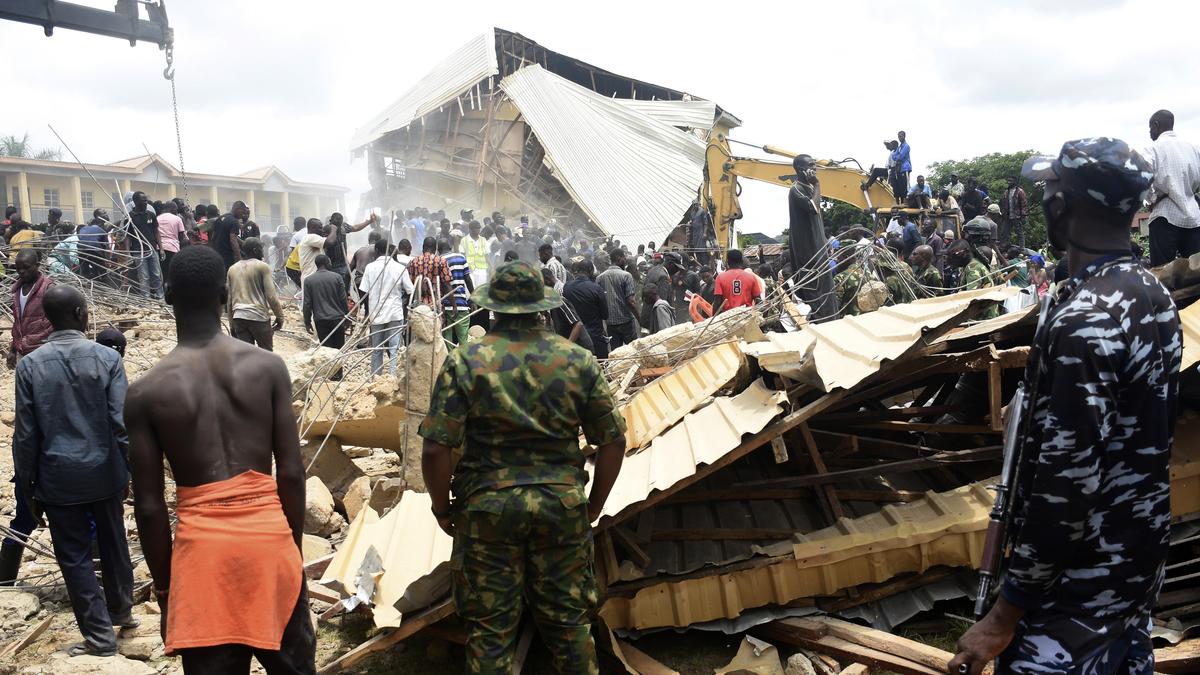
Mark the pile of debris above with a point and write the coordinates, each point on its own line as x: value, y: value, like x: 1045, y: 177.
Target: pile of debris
x: 775, y: 481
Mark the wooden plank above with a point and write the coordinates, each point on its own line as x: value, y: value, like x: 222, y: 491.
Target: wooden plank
x: 1181, y: 658
x: 13, y: 648
x: 879, y: 496
x: 323, y: 593
x: 721, y: 534
x: 917, y: 427
x: 889, y: 414
x: 903, y: 466
x: 733, y: 495
x: 856, y: 669
x: 641, y: 661
x: 388, y: 639
x: 608, y: 560
x: 628, y: 542
x: 994, y: 403
x: 315, y: 568
x: 814, y: 454
x: 650, y: 373
x: 777, y: 631
x: 911, y: 650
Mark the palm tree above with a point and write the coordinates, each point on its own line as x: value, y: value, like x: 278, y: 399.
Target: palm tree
x: 11, y: 146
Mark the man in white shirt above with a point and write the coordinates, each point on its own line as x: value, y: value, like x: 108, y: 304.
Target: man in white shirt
x: 385, y: 282
x: 1174, y: 212
x: 313, y: 245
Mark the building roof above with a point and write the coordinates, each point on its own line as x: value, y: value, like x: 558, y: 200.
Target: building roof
x: 633, y: 175
x: 760, y: 238
x: 683, y: 114
x: 133, y: 166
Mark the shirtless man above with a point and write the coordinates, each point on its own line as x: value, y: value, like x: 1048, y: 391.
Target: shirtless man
x: 233, y: 575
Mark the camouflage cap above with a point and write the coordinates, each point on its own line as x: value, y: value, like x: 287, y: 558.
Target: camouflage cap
x: 517, y: 288
x: 1104, y: 170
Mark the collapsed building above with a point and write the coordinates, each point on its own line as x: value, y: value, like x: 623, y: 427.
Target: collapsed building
x: 505, y: 124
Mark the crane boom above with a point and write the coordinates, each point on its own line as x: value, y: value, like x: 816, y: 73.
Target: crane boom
x: 123, y: 22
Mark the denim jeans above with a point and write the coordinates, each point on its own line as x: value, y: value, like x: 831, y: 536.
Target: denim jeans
x: 150, y: 275
x: 385, y: 337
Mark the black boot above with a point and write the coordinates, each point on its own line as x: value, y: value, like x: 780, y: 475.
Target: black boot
x: 10, y: 562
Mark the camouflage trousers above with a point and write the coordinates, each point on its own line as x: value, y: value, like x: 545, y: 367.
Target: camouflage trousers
x: 525, y: 547
x: 1050, y: 642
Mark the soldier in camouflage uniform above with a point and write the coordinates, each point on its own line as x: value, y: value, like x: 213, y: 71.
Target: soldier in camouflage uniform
x: 975, y: 273
x: 520, y: 516
x: 1092, y: 503
x: 927, y: 276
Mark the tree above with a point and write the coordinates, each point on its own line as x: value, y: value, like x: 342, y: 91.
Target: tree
x: 11, y: 146
x: 992, y: 172
x: 837, y: 216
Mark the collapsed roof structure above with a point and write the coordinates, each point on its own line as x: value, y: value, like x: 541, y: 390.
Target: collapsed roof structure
x: 509, y: 125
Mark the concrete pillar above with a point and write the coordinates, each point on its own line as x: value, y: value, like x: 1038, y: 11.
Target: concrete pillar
x: 126, y: 186
x: 77, y: 195
x: 23, y: 188
x: 316, y: 199
x: 285, y: 208
x: 250, y: 205
x: 213, y: 197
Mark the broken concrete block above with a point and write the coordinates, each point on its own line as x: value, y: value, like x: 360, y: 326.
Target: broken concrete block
x: 357, y: 496
x: 319, y: 515
x: 139, y: 648
x: 356, y: 452
x: 16, y: 608
x: 305, y: 366
x: 798, y: 664
x: 386, y: 494
x: 61, y: 664
x: 8, y: 417
x: 335, y: 469
x: 313, y: 547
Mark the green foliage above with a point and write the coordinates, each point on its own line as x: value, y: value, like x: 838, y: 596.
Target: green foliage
x: 12, y: 146
x: 837, y: 216
x: 743, y: 241
x: 992, y: 171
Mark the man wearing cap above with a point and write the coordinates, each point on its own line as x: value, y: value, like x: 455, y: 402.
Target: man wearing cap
x: 515, y: 402
x: 1091, y: 505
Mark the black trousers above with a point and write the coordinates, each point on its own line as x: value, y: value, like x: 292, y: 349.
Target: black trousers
x: 331, y: 333
x: 166, y: 267
x: 1168, y: 241
x: 297, y: 651
x: 254, y: 332
x: 294, y: 275
x: 96, y: 611
x: 622, y: 334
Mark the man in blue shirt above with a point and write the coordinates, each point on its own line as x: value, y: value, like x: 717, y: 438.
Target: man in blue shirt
x: 920, y: 195
x: 902, y: 160
x: 71, y: 454
x: 93, y: 246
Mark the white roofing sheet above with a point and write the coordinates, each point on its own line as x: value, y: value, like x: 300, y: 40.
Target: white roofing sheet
x: 471, y: 64
x: 690, y: 114
x: 633, y: 175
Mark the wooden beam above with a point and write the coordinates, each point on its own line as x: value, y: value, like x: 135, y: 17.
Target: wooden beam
x: 910, y: 650
x: 732, y: 495
x: 1181, y: 658
x: 323, y: 593
x: 388, y: 639
x: 927, y: 427
x: 814, y: 454
x: 994, y: 403
x: 630, y: 545
x: 315, y: 568
x: 779, y: 631
x: 879, y: 496
x: 902, y: 466
x: 13, y: 648
x: 889, y: 414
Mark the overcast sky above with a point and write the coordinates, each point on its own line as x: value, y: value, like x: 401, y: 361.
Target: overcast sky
x: 286, y: 82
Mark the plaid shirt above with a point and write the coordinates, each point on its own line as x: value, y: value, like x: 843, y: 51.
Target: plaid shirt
x: 432, y: 267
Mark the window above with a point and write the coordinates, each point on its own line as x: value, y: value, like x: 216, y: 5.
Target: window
x: 50, y: 197
x: 86, y: 200
x: 276, y: 214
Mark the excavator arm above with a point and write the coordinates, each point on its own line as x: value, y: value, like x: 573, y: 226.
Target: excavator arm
x: 123, y: 22
x: 722, y: 171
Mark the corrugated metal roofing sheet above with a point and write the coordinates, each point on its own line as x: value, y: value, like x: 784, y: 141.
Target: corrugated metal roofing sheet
x: 667, y: 399
x: 943, y: 529
x: 840, y: 354
x: 414, y: 551
x: 1190, y: 318
x: 633, y: 175
x: 470, y: 64
x: 689, y: 114
x: 702, y: 437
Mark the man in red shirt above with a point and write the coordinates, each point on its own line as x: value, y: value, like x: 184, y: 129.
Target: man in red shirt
x: 736, y: 286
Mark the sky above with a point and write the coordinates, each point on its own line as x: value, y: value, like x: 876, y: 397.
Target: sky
x: 286, y: 82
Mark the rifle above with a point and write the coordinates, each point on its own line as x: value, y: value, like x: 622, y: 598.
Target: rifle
x: 1015, y: 429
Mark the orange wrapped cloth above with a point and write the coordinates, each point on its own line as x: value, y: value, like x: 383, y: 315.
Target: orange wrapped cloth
x: 235, y: 568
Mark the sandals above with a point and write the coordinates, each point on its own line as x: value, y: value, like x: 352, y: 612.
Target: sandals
x: 85, y: 649
x: 128, y: 624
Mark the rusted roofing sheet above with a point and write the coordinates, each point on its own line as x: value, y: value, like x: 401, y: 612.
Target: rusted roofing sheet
x: 1185, y: 467
x: 1190, y: 318
x: 943, y: 529
x: 840, y: 354
x: 702, y: 437
x: 413, y: 549
x: 666, y: 400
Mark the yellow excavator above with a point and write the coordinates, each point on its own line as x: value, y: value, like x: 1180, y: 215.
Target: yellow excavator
x: 842, y: 183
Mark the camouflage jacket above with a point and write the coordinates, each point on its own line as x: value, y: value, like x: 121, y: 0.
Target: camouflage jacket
x: 847, y: 285
x: 930, y: 280
x: 1093, y: 506
x: 518, y: 398
x: 978, y: 275
x: 898, y: 289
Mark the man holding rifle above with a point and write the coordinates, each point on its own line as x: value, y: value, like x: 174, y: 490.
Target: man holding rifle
x: 1090, y: 507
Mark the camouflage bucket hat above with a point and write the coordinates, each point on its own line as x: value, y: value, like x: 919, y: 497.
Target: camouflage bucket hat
x: 1104, y: 170
x: 517, y: 288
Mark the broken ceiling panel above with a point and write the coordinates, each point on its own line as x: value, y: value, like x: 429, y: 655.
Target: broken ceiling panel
x: 633, y: 175
x: 703, y: 437
x: 840, y: 354
x: 942, y: 529
x: 667, y: 399
x: 414, y: 551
